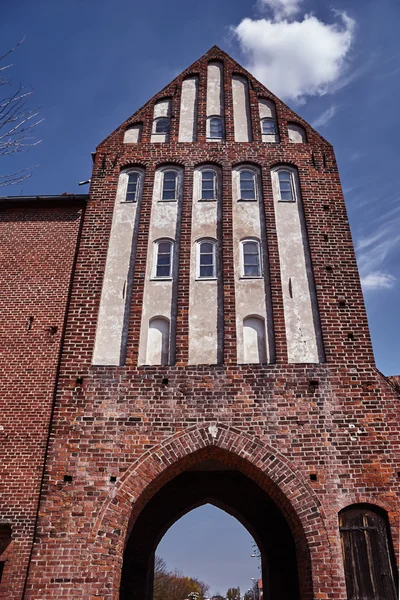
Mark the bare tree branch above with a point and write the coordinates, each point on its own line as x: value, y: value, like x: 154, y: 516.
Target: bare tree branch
x: 17, y: 124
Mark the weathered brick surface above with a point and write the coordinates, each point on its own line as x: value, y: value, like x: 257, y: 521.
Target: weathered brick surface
x: 37, y: 251
x: 269, y: 422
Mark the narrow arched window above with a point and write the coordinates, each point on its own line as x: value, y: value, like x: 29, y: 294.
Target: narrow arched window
x: 247, y: 185
x: 208, y: 185
x: 206, y: 259
x: 163, y: 263
x: 132, y: 187
x: 158, y: 341
x: 162, y: 126
x: 216, y: 128
x: 285, y: 186
x: 268, y: 126
x: 169, y: 190
x: 367, y: 554
x: 251, y: 260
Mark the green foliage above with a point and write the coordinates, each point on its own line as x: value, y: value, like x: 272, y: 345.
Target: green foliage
x: 172, y: 585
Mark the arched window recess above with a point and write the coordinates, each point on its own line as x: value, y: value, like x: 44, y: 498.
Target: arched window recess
x: 285, y: 179
x: 163, y: 259
x: 209, y: 182
x: 206, y: 267
x: 250, y: 258
x: 170, y: 183
x: 247, y: 185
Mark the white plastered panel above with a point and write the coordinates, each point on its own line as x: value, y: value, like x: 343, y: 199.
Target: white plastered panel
x: 249, y: 292
x: 267, y: 110
x: 188, y: 111
x: 304, y: 343
x: 241, y: 109
x: 203, y: 294
x: 133, y: 134
x: 111, y: 320
x: 157, y: 294
x: 161, y: 109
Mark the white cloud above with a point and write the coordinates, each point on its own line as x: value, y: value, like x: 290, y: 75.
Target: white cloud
x: 298, y: 58
x: 325, y: 117
x: 378, y: 280
x: 281, y: 8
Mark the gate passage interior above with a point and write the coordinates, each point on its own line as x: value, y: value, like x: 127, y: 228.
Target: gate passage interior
x: 215, y: 483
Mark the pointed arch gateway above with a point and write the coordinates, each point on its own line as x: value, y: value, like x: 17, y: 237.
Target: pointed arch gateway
x: 206, y: 465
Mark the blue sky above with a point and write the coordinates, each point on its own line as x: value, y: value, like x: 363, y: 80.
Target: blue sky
x: 92, y: 63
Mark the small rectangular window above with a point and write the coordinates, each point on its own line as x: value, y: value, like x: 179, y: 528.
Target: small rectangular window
x: 131, y: 189
x: 251, y: 259
x: 169, y: 185
x: 164, y: 259
x: 208, y: 185
x: 268, y: 126
x: 216, y: 128
x: 247, y: 185
x: 207, y: 259
x: 285, y: 186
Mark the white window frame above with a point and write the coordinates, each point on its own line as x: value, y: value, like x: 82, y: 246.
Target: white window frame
x: 213, y: 138
x: 260, y: 262
x: 214, y: 246
x: 157, y: 120
x: 270, y: 120
x: 123, y: 185
x: 177, y: 184
x: 156, y: 245
x: 137, y: 187
x: 293, y: 182
x: 255, y: 181
x: 215, y: 196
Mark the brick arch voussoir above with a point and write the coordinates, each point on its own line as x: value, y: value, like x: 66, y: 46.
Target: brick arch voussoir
x: 258, y: 460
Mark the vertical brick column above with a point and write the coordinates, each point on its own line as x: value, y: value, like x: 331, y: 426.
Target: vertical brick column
x: 274, y: 270
x: 202, y: 105
x: 185, y: 250
x: 254, y: 115
x: 228, y: 278
x: 228, y: 98
x: 175, y: 113
x: 139, y: 275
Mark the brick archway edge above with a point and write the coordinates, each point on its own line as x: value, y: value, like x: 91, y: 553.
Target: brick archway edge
x: 259, y: 461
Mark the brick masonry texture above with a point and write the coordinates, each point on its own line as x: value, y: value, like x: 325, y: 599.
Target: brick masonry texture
x: 145, y: 425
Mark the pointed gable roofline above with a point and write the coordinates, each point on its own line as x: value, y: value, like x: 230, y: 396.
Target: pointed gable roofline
x: 214, y: 53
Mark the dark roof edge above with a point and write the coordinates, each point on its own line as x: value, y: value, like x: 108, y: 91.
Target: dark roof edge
x: 63, y: 198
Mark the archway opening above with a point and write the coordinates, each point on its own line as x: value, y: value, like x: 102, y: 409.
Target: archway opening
x: 228, y: 488
x: 207, y: 553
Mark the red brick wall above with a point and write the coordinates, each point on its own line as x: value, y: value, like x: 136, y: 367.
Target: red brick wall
x: 270, y: 423
x: 36, y: 257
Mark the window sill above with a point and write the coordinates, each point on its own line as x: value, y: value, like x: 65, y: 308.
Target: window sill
x: 244, y: 200
x: 206, y: 279
x: 128, y: 202
x: 174, y: 200
x: 247, y: 277
x: 207, y: 200
x: 160, y: 278
x: 287, y: 201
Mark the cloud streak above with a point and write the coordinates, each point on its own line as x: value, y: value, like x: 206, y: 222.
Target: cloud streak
x: 373, y: 252
x: 325, y: 117
x: 281, y: 9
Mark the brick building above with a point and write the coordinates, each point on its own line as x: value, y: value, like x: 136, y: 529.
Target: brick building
x: 194, y: 331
